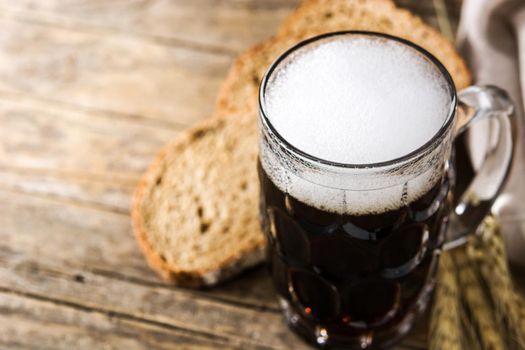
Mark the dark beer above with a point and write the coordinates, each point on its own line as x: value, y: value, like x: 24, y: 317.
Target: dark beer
x: 355, y: 182
x: 348, y: 275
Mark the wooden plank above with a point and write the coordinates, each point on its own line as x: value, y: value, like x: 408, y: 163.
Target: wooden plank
x: 116, y: 73
x: 104, y: 192
x: 175, y: 308
x: 203, y: 24
x: 88, y: 157
x: 28, y: 323
x: 37, y: 135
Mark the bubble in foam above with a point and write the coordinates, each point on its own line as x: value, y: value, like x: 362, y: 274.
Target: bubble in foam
x: 357, y: 100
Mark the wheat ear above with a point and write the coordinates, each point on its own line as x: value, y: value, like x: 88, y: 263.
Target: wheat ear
x: 445, y: 323
x: 479, y: 307
x: 489, y: 252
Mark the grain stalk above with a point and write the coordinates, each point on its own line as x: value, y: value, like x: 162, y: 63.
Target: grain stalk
x: 489, y: 253
x: 445, y: 323
x: 477, y: 303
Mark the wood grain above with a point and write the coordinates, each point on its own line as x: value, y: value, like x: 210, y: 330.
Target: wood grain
x: 89, y: 91
x: 32, y: 323
x: 210, y: 25
x: 109, y: 72
x: 171, y: 308
x: 44, y: 136
x: 95, y: 54
x: 77, y: 188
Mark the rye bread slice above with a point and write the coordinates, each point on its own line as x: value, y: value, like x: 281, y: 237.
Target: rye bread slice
x: 195, y: 211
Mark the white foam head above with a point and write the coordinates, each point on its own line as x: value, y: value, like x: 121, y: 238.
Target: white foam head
x: 356, y: 100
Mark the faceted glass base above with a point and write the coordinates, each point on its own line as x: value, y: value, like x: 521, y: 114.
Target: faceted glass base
x: 314, y: 332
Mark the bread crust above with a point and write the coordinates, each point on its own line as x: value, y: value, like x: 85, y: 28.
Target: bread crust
x: 228, y: 267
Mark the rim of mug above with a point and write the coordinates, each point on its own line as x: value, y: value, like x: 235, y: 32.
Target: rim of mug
x: 414, y: 155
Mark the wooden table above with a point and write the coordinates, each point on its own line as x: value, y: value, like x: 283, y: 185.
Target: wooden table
x: 89, y: 91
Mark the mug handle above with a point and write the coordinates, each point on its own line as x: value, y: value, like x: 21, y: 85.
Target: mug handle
x: 473, y: 200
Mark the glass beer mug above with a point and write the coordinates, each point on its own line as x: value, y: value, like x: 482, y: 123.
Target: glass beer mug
x: 353, y: 247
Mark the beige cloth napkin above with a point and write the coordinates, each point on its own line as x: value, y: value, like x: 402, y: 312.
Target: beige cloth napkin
x: 491, y: 37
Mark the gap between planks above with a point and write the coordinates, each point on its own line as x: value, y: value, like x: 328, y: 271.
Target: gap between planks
x: 67, y: 201
x: 79, y: 277
x: 200, y: 292
x: 124, y: 316
x: 75, y: 26
x: 157, y: 18
x: 177, y: 307
x: 26, y: 322
x: 135, y: 119
x: 130, y: 180
x: 108, y: 313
